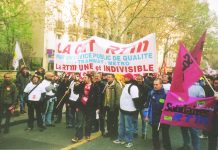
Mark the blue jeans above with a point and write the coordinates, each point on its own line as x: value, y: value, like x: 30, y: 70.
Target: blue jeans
x: 22, y: 102
x: 126, y: 128
x: 135, y: 122
x: 47, y: 116
x: 194, y: 137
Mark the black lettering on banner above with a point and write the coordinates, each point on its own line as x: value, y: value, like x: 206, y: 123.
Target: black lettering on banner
x: 186, y: 63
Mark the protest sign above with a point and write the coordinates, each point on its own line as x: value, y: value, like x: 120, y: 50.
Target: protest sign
x: 98, y: 54
x: 194, y: 113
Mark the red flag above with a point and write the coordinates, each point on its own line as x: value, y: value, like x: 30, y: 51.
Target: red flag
x: 186, y: 73
x: 197, y: 51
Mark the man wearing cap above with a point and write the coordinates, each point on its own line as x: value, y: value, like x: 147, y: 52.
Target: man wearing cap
x: 127, y: 112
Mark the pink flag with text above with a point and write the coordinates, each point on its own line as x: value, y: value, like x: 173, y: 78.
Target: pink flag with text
x: 198, y: 49
x: 186, y: 73
x: 195, y: 112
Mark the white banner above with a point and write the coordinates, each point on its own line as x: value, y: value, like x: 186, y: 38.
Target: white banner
x: 98, y: 54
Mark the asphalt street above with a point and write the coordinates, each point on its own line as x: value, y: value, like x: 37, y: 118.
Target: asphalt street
x: 59, y: 137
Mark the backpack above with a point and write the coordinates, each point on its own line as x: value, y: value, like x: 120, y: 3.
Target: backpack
x: 139, y: 102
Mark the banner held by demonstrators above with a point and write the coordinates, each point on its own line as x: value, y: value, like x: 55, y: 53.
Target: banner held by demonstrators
x: 194, y: 113
x: 97, y: 54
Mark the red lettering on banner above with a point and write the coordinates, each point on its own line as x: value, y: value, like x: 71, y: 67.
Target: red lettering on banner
x: 58, y: 66
x: 138, y: 68
x: 91, y: 43
x: 112, y: 49
x: 124, y: 49
x: 80, y: 48
x: 139, y: 47
x: 132, y: 50
x: 151, y: 67
x: 145, y: 46
x: 85, y: 67
x: 66, y: 49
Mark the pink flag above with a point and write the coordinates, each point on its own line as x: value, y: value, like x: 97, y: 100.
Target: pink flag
x: 197, y: 51
x: 186, y: 73
x: 195, y: 112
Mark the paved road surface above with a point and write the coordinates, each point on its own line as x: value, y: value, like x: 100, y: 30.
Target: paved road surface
x: 59, y: 137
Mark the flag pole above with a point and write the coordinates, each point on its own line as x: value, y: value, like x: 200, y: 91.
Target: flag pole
x: 209, y: 84
x: 24, y: 62
x: 158, y: 128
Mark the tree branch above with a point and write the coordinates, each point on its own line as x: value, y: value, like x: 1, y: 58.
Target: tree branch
x: 134, y: 17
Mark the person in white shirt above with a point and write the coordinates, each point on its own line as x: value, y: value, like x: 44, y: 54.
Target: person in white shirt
x: 166, y: 83
x: 34, y: 92
x: 72, y: 101
x: 128, y: 110
x: 50, y: 98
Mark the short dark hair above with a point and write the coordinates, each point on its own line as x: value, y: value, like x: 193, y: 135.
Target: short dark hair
x: 216, y: 78
x: 35, y: 75
x: 210, y: 77
x: 111, y: 75
x: 89, y: 75
x: 159, y: 79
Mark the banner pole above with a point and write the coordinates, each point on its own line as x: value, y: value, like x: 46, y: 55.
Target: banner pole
x: 66, y: 92
x: 24, y: 62
x: 209, y: 84
x: 158, y: 128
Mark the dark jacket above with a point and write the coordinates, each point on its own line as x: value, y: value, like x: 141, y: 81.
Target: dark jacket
x: 156, y: 103
x: 21, y: 81
x: 143, y: 90
x: 62, y: 88
x: 208, y: 91
x: 100, y: 85
x: 93, y: 97
x: 8, y: 93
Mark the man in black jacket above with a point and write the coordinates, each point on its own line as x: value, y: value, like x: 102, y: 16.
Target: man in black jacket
x: 22, y: 79
x: 8, y: 97
x: 100, y: 86
x: 144, y: 104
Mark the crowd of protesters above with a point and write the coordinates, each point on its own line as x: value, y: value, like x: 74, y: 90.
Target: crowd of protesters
x: 99, y: 102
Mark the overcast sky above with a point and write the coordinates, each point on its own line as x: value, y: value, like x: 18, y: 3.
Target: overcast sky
x: 213, y: 5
